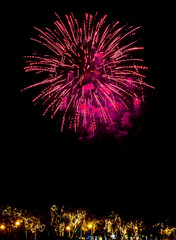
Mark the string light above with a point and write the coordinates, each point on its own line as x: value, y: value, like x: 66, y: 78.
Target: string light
x: 75, y: 220
x: 16, y: 219
x: 77, y: 223
x: 57, y: 220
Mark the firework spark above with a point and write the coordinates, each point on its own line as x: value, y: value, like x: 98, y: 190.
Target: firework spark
x: 91, y: 74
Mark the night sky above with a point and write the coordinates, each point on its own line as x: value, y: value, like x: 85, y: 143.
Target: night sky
x: 40, y: 166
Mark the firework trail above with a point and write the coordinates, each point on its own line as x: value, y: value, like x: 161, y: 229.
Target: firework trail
x: 91, y: 74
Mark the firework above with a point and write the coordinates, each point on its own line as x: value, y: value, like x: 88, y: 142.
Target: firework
x: 91, y: 77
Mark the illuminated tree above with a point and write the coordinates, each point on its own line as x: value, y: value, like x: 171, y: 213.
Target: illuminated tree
x: 57, y: 220
x: 15, y: 220
x: 33, y: 224
x: 112, y: 223
x: 77, y: 223
x: 12, y: 220
x: 75, y: 220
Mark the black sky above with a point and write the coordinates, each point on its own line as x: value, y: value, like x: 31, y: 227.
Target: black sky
x: 40, y: 166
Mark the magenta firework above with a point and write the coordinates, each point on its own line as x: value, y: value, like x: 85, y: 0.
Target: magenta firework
x: 91, y: 75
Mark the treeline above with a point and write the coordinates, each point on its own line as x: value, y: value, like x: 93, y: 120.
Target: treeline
x: 69, y: 223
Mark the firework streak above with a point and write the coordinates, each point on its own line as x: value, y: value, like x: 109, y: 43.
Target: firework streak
x: 91, y: 76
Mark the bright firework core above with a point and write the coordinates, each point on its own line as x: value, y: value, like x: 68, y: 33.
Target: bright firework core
x: 92, y: 77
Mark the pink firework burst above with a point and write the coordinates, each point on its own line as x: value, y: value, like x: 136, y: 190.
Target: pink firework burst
x: 91, y: 74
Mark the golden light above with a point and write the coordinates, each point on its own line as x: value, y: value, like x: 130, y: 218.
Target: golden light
x: 90, y: 225
x: 68, y: 228
x: 2, y: 226
x: 17, y: 223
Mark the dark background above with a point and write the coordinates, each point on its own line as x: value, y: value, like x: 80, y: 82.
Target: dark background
x: 40, y: 166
